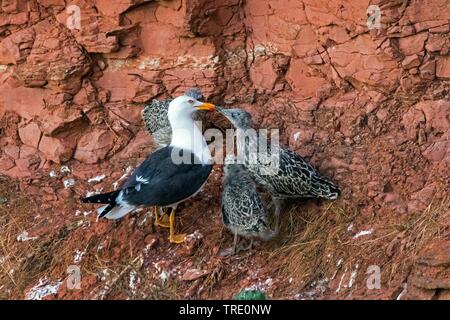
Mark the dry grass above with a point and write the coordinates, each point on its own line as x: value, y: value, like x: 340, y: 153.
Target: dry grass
x: 116, y: 276
x: 216, y: 275
x: 412, y: 234
x: 23, y: 263
x: 314, y: 239
x: 304, y: 255
x: 312, y: 253
x: 14, y: 213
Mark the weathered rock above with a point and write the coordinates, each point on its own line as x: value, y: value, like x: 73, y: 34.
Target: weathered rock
x: 15, y: 48
x: 6, y: 164
x: 411, y: 61
x: 435, y: 43
x: 137, y: 86
x: 26, y: 102
x: 437, y: 151
x: 94, y: 146
x: 12, y: 151
x: 424, y: 19
x: 431, y: 271
x: 55, y: 60
x: 416, y: 293
x: 139, y: 143
x: 303, y: 81
x: 443, y: 67
x: 56, y: 150
x: 151, y: 241
x: 422, y: 198
x: 60, y: 120
x: 307, y: 105
x: 358, y: 61
x: 437, y: 115
x: 93, y: 30
x: 444, y: 295
x: 413, y: 44
x: 27, y: 151
x: 23, y: 164
x: 436, y: 254
x: 264, y: 75
x: 30, y: 134
x: 434, y: 115
x: 190, y: 245
x: 428, y: 70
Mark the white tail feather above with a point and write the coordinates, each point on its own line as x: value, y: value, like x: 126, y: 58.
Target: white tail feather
x: 100, y: 210
x: 117, y: 212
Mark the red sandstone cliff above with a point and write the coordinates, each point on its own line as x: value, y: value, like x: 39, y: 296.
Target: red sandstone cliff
x: 372, y: 106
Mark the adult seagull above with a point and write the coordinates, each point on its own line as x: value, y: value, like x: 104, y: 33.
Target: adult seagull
x: 156, y: 120
x: 168, y: 176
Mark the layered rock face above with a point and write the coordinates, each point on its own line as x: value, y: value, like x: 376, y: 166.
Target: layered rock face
x: 367, y: 103
x: 71, y: 73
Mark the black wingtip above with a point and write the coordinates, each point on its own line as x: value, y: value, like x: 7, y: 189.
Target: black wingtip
x: 106, y: 210
x: 105, y: 198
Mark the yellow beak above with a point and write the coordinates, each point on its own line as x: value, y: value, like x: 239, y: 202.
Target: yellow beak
x: 206, y: 106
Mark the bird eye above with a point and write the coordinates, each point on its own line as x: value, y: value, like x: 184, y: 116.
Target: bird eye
x: 191, y: 101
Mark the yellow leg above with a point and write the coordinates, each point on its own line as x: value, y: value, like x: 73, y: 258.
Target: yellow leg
x: 175, y: 238
x: 155, y: 214
x: 162, y: 221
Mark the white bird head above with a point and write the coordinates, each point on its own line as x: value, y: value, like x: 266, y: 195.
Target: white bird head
x: 185, y: 106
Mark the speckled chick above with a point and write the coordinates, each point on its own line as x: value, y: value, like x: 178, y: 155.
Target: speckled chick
x: 292, y: 177
x: 243, y: 211
x: 157, y: 122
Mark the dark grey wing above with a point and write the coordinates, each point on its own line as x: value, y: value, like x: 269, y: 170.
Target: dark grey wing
x: 158, y: 181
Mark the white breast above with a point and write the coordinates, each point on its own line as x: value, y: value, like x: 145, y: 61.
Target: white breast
x: 187, y: 136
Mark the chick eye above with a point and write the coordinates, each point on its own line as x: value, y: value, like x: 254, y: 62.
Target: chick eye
x: 191, y: 101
